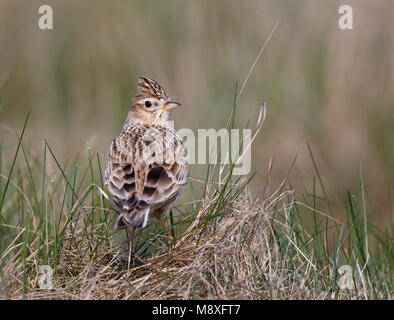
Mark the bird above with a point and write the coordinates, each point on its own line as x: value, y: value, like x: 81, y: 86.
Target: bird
x: 147, y: 164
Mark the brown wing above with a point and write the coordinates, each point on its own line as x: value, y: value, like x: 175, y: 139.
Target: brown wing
x: 119, y: 176
x: 144, y: 170
x: 120, y: 179
x: 166, y: 166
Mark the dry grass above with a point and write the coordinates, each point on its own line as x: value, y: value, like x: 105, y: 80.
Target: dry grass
x: 232, y: 255
x: 235, y: 247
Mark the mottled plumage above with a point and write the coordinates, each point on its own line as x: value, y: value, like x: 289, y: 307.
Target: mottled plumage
x: 146, y: 164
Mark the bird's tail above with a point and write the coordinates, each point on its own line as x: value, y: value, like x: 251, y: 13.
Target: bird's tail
x: 132, y: 218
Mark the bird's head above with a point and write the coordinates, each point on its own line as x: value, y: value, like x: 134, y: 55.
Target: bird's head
x: 152, y: 104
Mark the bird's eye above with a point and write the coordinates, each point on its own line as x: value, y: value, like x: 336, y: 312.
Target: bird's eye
x: 148, y: 104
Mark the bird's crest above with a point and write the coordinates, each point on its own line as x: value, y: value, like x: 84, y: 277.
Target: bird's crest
x: 149, y: 88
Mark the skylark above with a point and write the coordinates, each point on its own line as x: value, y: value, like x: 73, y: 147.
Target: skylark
x: 146, y: 164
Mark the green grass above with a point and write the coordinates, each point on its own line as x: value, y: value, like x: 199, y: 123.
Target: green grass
x: 229, y: 242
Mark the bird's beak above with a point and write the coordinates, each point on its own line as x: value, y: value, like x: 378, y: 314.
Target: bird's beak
x: 170, y: 105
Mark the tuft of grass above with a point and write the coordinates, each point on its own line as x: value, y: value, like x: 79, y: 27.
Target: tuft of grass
x: 230, y: 244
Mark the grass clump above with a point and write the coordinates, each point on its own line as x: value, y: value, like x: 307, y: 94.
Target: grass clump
x: 229, y: 243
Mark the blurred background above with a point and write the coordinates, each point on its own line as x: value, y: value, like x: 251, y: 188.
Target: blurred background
x: 331, y: 87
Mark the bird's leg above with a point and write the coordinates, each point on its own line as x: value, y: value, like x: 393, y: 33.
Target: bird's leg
x: 168, y: 231
x: 132, y: 238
